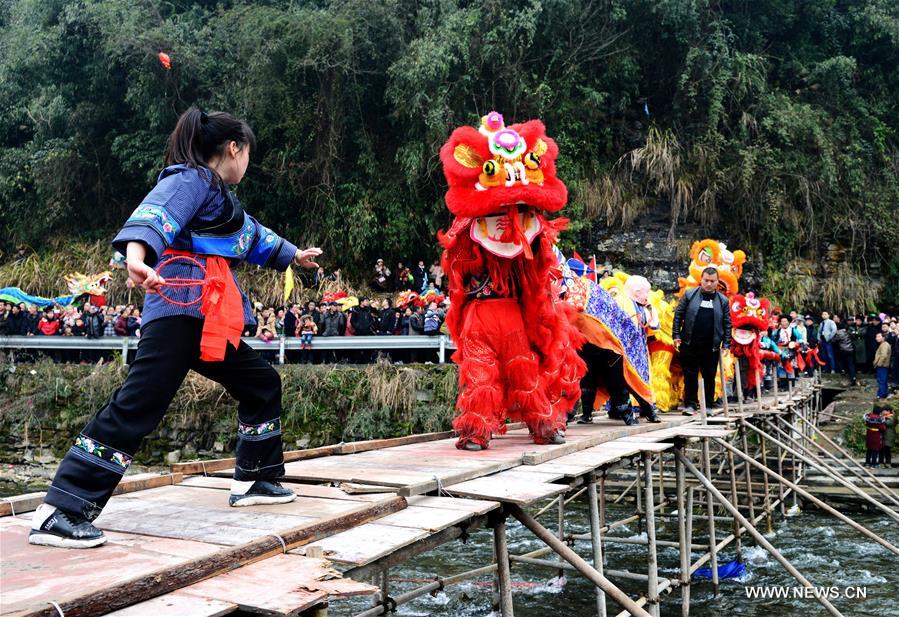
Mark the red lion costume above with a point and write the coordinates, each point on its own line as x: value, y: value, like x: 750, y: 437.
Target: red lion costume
x: 749, y: 319
x: 516, y: 348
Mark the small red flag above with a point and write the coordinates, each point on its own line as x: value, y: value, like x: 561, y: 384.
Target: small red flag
x: 593, y: 274
x: 165, y: 60
x: 579, y: 258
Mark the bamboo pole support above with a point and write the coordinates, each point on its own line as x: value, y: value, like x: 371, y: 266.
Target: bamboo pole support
x: 652, y: 589
x: 686, y: 542
x: 823, y: 468
x: 723, y: 381
x: 806, y: 495
x: 855, y: 464
x: 759, y: 538
x: 503, y: 569
x: 596, y: 541
x: 769, y: 518
x: 736, y: 501
x: 748, y: 474
x: 710, y: 502
x: 758, y: 390
x: 574, y: 559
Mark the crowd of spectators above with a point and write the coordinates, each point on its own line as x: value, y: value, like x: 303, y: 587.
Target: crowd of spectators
x: 835, y: 344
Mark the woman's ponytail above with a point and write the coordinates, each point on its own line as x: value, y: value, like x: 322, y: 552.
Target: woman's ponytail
x: 199, y: 136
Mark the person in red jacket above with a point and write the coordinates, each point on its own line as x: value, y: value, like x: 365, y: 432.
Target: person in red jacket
x: 874, y: 430
x: 49, y: 324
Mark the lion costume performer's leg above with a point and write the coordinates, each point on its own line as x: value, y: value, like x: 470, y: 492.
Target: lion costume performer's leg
x: 498, y: 373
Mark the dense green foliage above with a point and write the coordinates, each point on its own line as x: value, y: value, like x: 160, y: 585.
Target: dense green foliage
x: 45, y: 404
x: 772, y: 121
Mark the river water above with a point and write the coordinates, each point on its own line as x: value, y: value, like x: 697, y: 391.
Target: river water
x: 825, y: 550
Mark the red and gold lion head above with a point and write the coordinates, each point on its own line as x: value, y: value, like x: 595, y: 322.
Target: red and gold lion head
x: 748, y: 315
x: 495, y: 167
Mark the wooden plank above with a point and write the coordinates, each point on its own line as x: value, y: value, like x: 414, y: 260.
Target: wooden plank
x: 167, y: 579
x: 302, y: 490
x: 552, y: 452
x: 177, y: 604
x: 219, y: 464
x: 433, y: 484
x: 129, y: 484
x: 568, y: 470
x: 280, y: 585
x: 204, y: 467
x: 377, y: 444
x: 32, y: 575
x: 526, y: 475
x: 193, y: 522
x: 430, y: 519
x: 302, y: 506
x: 507, y: 491
x: 366, y: 543
x: 472, y: 506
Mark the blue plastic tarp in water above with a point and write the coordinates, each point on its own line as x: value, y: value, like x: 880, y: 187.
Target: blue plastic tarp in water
x: 731, y: 569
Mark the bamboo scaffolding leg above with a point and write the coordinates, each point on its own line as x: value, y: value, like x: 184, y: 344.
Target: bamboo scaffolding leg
x: 806, y: 495
x: 824, y: 469
x: 759, y: 538
x: 685, y: 541
x: 561, y: 525
x: 574, y: 559
x: 602, y: 511
x: 596, y: 540
x: 640, y: 511
x: 781, y: 455
x: 736, y: 501
x: 652, y: 589
x: 769, y: 519
x: 710, y: 502
x: 855, y: 464
x: 758, y: 390
x: 796, y: 475
x: 738, y: 385
x: 749, y: 491
x: 503, y: 568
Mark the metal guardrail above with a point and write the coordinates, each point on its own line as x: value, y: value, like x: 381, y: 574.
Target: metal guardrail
x: 123, y: 344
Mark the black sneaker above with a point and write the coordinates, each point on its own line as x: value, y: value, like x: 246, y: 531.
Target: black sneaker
x: 630, y: 418
x: 651, y: 414
x: 689, y: 410
x: 258, y: 493
x: 64, y: 530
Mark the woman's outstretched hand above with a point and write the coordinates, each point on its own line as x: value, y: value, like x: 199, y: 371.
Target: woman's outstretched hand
x: 306, y: 259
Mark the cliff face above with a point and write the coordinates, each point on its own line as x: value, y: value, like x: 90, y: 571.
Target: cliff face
x: 646, y: 249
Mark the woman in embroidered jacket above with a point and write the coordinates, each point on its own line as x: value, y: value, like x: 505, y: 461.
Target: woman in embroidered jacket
x: 189, y: 229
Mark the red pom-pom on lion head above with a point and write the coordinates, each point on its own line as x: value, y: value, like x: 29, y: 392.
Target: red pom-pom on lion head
x: 494, y: 167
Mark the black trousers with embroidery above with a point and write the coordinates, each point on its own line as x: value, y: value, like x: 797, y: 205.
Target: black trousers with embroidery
x: 170, y: 347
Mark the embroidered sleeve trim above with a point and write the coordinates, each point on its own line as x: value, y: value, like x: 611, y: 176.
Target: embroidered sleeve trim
x: 157, y: 218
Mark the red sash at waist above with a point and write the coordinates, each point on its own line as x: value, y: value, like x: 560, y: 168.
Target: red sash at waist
x: 220, y: 304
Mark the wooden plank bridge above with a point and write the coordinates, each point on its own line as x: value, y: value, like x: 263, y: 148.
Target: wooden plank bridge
x: 176, y: 548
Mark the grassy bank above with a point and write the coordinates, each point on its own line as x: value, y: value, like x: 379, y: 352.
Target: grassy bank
x: 45, y: 405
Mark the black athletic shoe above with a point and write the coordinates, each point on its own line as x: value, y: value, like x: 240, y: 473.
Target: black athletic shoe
x: 630, y: 418
x: 65, y: 531
x: 652, y: 415
x: 259, y: 493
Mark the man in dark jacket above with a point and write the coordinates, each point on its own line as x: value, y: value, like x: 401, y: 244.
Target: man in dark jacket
x: 362, y: 318
x: 701, y: 327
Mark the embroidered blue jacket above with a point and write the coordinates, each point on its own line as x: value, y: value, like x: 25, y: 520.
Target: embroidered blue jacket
x: 187, y: 211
